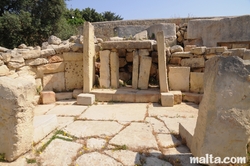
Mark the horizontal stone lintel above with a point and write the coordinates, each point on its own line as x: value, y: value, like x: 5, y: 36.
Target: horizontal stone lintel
x: 128, y: 44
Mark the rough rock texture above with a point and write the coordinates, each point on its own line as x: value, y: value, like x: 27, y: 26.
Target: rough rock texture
x: 228, y: 29
x: 223, y: 127
x: 16, y: 115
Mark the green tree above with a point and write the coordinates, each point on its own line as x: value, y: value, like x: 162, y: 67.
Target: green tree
x: 91, y: 15
x: 32, y: 21
x: 110, y: 16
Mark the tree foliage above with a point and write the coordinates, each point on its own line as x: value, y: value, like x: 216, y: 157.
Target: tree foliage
x: 32, y: 21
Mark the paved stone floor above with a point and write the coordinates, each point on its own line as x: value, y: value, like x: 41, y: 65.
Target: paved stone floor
x: 112, y: 134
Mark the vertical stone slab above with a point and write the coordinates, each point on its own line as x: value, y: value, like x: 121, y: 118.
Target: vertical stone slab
x: 16, y: 116
x: 89, y: 57
x: 135, y: 69
x: 104, y: 69
x: 114, y: 69
x: 179, y: 78
x: 162, y: 62
x: 145, y: 65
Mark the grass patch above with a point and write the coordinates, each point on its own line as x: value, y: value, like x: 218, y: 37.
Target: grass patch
x: 31, y: 161
x: 2, y: 157
x: 120, y: 147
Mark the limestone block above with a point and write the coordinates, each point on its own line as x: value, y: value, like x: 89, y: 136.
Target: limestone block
x: 89, y: 57
x: 193, y: 62
x: 36, y: 62
x: 141, y: 35
x: 48, y: 97
x: 167, y: 99
x: 168, y: 29
x: 43, y: 125
x: 182, y: 54
x: 196, y: 82
x: 162, y: 62
x: 54, y: 82
x: 188, y: 48
x: 76, y: 92
x: 135, y: 73
x: 145, y: 65
x: 105, y: 69
x: 4, y: 70
x: 220, y: 49
x: 54, y: 40
x: 3, y: 49
x: 220, y: 29
x: 76, y: 47
x: 198, y: 50
x: 31, y: 54
x: 1, y: 62
x: 175, y: 60
x: 179, y: 78
x: 238, y: 52
x: 16, y: 115
x: 6, y: 57
x: 223, y: 119
x: 114, y: 69
x: 143, y: 52
x: 177, y: 97
x: 51, y: 68
x: 85, y: 99
x: 72, y: 56
x: 246, y: 55
x: 73, y: 75
x: 132, y: 44
x: 129, y: 57
x: 64, y: 96
x: 61, y: 48
x: 192, y: 97
x: 176, y: 48
x: 15, y: 65
x: 47, y: 52
x: 55, y: 58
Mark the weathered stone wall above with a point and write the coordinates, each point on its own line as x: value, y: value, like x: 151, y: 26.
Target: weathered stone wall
x: 105, y: 30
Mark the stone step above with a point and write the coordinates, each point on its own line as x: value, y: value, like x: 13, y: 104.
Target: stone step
x: 186, y: 131
x: 43, y: 125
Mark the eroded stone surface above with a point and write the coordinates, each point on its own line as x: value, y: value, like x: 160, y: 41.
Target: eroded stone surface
x: 67, y: 110
x: 93, y: 128
x: 95, y: 158
x: 59, y: 152
x: 117, y: 111
x: 143, y: 139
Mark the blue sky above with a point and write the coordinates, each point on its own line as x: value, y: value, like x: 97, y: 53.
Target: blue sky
x: 153, y: 9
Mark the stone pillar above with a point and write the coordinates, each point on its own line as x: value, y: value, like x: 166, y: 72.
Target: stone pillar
x: 16, y: 116
x: 162, y: 62
x: 223, y: 127
x: 145, y: 65
x: 135, y: 69
x: 114, y: 69
x: 88, y: 57
x: 104, y: 69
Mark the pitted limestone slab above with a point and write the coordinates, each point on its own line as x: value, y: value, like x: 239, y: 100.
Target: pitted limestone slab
x: 116, y: 111
x: 136, y: 135
x: 187, y: 110
x: 64, y: 121
x: 158, y: 126
x: 67, y: 110
x: 180, y: 150
x: 155, y: 161
x: 42, y: 109
x: 93, y: 128
x: 95, y: 158
x: 95, y: 143
x: 173, y: 123
x: 59, y: 152
x: 125, y: 156
x: 167, y: 140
